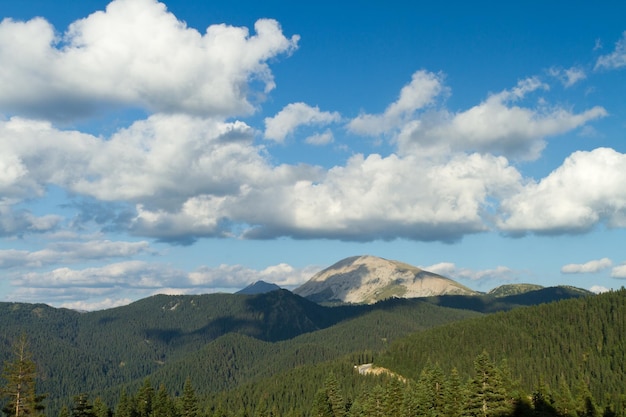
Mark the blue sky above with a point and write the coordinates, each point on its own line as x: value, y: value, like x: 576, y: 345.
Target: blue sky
x: 193, y: 147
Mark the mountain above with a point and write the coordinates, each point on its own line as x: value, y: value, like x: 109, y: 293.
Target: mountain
x: 222, y: 341
x: 367, y: 279
x: 218, y: 340
x: 513, y: 289
x: 259, y: 287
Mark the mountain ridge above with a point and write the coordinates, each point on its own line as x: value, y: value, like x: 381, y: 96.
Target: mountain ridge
x: 368, y: 279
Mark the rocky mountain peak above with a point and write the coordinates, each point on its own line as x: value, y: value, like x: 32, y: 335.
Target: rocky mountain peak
x: 367, y: 279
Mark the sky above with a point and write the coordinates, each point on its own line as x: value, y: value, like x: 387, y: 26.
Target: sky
x: 186, y: 147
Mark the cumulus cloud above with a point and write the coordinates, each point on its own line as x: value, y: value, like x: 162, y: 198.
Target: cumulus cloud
x: 292, y: 116
x: 496, y: 125
x: 585, y: 190
x: 587, y: 267
x: 137, y: 274
x: 160, y: 161
x: 421, y: 92
x: 619, y: 271
x: 377, y: 197
x: 238, y: 276
x: 17, y: 222
x: 71, y: 252
x: 190, y: 177
x: 126, y: 55
x: 450, y: 270
x: 185, y: 172
x: 616, y: 59
x: 320, y: 139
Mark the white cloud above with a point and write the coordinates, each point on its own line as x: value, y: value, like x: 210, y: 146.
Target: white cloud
x: 132, y: 274
x: 292, y: 116
x: 587, y: 267
x: 70, y: 252
x: 320, y: 139
x: 598, y: 289
x: 96, y: 305
x: 238, y: 276
x: 450, y: 270
x: 162, y: 160
x: 616, y: 59
x: 619, y: 271
x: 495, y: 126
x: 127, y: 55
x: 585, y: 190
x: 378, y: 197
x: 421, y: 92
x: 569, y: 76
x: 19, y: 222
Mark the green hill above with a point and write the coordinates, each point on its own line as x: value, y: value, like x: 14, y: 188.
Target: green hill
x: 574, y: 341
x: 232, y: 343
x: 554, y: 352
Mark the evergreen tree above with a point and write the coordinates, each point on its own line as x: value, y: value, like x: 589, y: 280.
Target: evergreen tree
x: 189, y: 401
x: 563, y: 399
x: 429, y: 395
x: 321, y: 405
x: 100, y: 409
x: 328, y: 400
x: 543, y: 404
x: 19, y: 389
x: 585, y: 404
x: 82, y: 406
x: 394, y: 397
x: 144, y: 399
x: 454, y: 395
x: 125, y: 407
x: 374, y: 405
x: 486, y: 392
x: 163, y: 406
x: 335, y: 398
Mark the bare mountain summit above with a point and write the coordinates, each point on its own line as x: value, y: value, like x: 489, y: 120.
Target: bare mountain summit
x: 367, y: 279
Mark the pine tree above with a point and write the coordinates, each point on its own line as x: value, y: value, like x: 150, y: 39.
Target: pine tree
x: 394, y: 396
x: 321, y: 404
x: 189, y: 401
x: 82, y: 407
x: 374, y: 405
x: 487, y: 397
x: 329, y: 401
x: 335, y: 398
x: 125, y: 407
x: 454, y: 395
x: 163, y: 406
x: 20, y: 383
x: 100, y: 409
x: 145, y: 397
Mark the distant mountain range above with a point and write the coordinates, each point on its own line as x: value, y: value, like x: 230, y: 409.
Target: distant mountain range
x: 224, y: 340
x: 369, y: 279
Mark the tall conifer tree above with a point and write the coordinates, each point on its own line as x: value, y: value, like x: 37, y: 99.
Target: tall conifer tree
x: 19, y: 389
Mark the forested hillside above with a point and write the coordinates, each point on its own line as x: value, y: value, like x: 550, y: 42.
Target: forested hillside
x: 217, y: 340
x: 561, y: 359
x: 279, y: 354
x: 572, y: 342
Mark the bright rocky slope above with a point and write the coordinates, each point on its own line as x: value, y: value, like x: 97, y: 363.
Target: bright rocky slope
x: 368, y: 279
